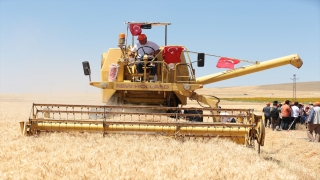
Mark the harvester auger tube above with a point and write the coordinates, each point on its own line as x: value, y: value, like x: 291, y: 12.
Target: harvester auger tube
x: 294, y: 60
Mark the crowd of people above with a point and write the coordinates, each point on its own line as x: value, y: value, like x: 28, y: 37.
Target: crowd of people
x: 285, y: 116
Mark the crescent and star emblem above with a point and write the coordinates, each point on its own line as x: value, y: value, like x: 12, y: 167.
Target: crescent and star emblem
x: 136, y: 28
x: 229, y: 61
x: 172, y: 50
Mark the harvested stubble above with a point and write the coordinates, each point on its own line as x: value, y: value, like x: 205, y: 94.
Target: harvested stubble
x: 286, y: 155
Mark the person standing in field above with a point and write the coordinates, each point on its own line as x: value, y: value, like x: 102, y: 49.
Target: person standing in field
x: 280, y: 116
x: 314, y: 123
x: 286, y: 115
x: 304, y: 115
x: 266, y: 113
x: 274, y: 116
x: 301, y: 109
x: 307, y: 112
x: 295, y: 111
x: 310, y: 105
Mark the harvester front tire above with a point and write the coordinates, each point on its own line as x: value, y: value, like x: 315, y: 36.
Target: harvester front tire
x: 261, y: 132
x: 260, y: 136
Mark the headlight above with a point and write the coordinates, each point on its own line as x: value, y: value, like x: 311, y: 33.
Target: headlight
x: 103, y: 85
x: 171, y: 66
x: 187, y: 86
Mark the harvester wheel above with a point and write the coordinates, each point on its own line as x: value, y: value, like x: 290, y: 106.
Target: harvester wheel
x: 261, y: 132
x: 260, y: 135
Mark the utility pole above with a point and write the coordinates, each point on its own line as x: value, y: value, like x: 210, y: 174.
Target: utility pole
x: 294, y: 88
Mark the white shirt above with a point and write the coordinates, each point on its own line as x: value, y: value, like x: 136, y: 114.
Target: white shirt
x: 225, y: 119
x: 295, y: 111
x: 145, y: 48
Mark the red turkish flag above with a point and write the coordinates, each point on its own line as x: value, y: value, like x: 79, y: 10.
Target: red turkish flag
x: 135, y: 29
x: 172, y: 54
x: 227, y: 63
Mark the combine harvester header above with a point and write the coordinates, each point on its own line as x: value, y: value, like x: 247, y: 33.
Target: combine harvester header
x: 146, y: 103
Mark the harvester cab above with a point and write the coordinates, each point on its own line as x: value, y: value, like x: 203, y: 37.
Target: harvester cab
x: 154, y: 103
x: 173, y: 79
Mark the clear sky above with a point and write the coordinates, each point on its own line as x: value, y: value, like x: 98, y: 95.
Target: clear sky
x: 43, y: 43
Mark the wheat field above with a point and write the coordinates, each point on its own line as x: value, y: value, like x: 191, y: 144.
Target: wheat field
x: 285, y: 155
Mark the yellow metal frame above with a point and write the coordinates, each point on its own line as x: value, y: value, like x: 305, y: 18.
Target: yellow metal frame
x: 155, y: 120
x: 183, y: 85
x: 171, y: 90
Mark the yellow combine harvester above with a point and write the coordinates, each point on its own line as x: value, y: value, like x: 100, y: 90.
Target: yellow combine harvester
x: 142, y: 103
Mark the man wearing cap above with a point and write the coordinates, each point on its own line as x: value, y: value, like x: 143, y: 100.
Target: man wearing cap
x: 314, y: 123
x: 145, y: 47
x: 266, y: 112
x: 274, y: 115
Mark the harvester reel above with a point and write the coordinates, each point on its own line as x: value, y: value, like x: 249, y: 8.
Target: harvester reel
x: 151, y: 120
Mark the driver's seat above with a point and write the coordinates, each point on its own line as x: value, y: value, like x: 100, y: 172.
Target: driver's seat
x: 148, y: 68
